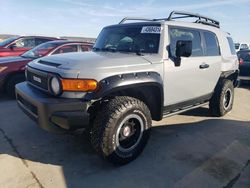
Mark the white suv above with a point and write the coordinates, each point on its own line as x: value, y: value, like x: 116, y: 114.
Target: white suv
x: 136, y: 73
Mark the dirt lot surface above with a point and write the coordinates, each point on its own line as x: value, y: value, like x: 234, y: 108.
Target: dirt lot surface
x: 189, y: 150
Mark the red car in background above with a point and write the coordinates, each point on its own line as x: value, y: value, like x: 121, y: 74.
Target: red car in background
x: 15, y: 46
x: 12, y: 68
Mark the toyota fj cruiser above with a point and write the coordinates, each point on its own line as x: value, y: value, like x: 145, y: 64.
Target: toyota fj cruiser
x: 136, y: 73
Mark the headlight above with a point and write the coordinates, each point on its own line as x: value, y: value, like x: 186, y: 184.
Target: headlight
x: 85, y: 85
x: 2, y: 69
x: 55, y: 85
x: 58, y: 85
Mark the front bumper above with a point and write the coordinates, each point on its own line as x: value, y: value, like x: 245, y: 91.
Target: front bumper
x: 52, y: 114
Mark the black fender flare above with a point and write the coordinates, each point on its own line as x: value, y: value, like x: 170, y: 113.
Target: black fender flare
x: 128, y: 81
x: 231, y: 75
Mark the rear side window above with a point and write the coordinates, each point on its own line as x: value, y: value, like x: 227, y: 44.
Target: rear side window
x: 231, y: 45
x: 85, y: 48
x: 186, y: 34
x: 212, y: 47
x: 66, y: 49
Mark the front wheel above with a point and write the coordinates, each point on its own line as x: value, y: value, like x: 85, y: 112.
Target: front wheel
x: 121, y: 129
x: 222, y: 99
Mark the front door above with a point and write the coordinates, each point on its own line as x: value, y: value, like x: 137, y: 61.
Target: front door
x: 192, y: 79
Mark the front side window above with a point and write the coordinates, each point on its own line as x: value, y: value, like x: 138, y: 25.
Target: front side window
x: 133, y: 38
x: 212, y: 47
x: 177, y: 34
x: 40, y: 51
x: 25, y: 43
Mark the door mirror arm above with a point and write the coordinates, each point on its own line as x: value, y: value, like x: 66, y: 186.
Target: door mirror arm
x: 12, y: 46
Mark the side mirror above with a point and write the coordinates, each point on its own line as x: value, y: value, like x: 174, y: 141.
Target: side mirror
x: 12, y: 46
x: 183, y: 49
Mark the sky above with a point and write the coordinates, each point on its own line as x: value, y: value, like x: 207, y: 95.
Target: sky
x: 86, y: 18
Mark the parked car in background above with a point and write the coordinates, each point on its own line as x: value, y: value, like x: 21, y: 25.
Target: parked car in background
x: 15, y: 46
x: 241, y: 46
x: 244, y: 59
x: 12, y: 68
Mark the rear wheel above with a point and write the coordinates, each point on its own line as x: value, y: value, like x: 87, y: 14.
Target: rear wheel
x: 10, y: 85
x: 121, y: 129
x: 222, y: 99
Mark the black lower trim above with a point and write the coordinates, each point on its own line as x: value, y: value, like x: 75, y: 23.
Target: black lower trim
x: 186, y: 104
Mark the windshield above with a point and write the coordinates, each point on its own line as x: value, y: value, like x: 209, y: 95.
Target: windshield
x: 40, y: 50
x: 137, y: 39
x: 237, y: 46
x: 7, y: 41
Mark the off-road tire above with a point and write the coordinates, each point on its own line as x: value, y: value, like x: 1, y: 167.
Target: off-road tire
x: 106, y: 127
x: 10, y: 85
x: 216, y: 104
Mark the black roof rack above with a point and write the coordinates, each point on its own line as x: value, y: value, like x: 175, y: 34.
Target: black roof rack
x: 135, y: 18
x: 201, y: 19
x: 174, y: 15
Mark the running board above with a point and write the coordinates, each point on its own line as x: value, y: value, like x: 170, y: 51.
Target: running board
x: 179, y: 111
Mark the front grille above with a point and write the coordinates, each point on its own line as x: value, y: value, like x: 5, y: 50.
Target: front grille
x: 37, y: 78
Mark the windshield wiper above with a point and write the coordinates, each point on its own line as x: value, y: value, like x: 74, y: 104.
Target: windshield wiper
x: 104, y: 49
x: 137, y: 52
x: 110, y: 49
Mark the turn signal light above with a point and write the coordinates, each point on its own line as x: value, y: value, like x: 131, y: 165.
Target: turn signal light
x: 79, y: 85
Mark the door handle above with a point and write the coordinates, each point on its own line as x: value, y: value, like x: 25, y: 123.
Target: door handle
x: 204, y: 66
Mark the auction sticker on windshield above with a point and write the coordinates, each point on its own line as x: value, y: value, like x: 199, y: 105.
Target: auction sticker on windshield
x: 151, y: 29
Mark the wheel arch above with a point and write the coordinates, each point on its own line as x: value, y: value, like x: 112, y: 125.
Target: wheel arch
x: 230, y: 75
x: 145, y: 86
